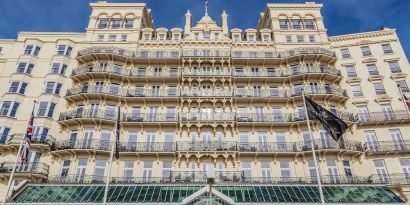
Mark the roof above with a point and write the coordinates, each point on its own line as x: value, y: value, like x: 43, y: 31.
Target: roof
x: 175, y: 193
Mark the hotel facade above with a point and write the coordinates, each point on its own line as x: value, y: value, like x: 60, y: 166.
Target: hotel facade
x: 200, y: 102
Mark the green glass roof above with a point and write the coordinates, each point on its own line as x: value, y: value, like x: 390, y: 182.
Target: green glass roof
x: 83, y: 194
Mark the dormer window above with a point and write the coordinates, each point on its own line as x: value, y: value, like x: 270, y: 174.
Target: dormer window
x: 116, y: 23
x: 251, y: 38
x: 216, y: 35
x: 176, y: 37
x: 206, y: 35
x: 103, y: 23
x: 161, y: 37
x: 266, y: 38
x: 129, y: 23
x: 146, y: 37
x: 236, y: 38
x: 196, y: 36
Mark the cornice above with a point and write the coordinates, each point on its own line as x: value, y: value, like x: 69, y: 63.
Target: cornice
x: 356, y: 36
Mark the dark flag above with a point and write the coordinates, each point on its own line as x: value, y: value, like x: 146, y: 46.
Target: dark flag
x: 332, y: 124
x: 117, y: 134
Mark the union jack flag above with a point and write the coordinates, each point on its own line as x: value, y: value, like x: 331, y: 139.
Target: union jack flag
x: 27, y: 141
x: 407, y: 101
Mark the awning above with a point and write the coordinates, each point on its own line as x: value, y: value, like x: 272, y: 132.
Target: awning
x: 176, y: 193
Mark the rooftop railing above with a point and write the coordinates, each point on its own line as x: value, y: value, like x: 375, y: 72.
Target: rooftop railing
x: 29, y: 168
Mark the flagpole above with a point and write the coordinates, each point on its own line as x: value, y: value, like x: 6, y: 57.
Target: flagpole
x: 319, y: 182
x: 107, y: 183
x: 13, y: 171
x: 206, y: 7
x: 404, y: 100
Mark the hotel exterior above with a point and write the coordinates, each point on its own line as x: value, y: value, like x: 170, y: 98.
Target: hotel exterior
x: 204, y: 101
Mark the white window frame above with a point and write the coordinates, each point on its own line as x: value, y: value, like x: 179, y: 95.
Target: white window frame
x: 35, y: 50
x: 21, y: 88
x: 14, y: 105
x: 28, y: 67
x: 64, y: 50
x: 61, y: 68
x: 56, y: 88
x: 48, y: 111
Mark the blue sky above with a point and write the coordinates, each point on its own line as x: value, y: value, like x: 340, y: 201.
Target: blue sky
x: 340, y: 16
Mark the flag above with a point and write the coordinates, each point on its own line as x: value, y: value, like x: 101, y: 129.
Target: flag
x: 332, y: 124
x: 206, y: 2
x: 27, y: 141
x: 407, y: 101
x: 117, y: 134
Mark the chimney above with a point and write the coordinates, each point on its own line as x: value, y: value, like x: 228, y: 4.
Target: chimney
x: 188, y: 21
x: 224, y: 19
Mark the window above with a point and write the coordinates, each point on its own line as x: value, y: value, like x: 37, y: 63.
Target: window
x: 363, y: 113
x: 357, y: 90
x: 129, y: 23
x: 246, y: 168
x: 332, y: 170
x: 176, y: 37
x: 379, y: 88
x: 45, y: 109
x: 206, y: 35
x: 40, y: 133
x: 251, y: 38
x: 103, y: 23
x: 32, y: 50
x: 166, y: 169
x: 18, y: 87
x: 99, y: 169
x: 397, y: 139
x: 381, y: 170
x: 1, y: 49
x: 112, y: 37
x: 312, y: 168
x: 387, y: 112
x: 4, y: 133
x: 236, y: 38
x: 58, y: 68
x: 9, y: 108
x: 100, y: 38
x: 394, y: 67
x: 64, y: 50
x: 405, y: 164
x: 124, y: 37
x: 345, y: 53
x: 372, y: 69
x: 300, y: 38
x: 284, y: 170
x: 266, y: 172
x: 283, y: 24
x: 296, y: 24
x: 266, y: 38
x: 147, y: 171
x: 312, y: 38
x: 161, y: 37
x: 128, y: 169
x: 146, y: 37
x: 402, y: 85
x: 81, y: 167
x: 116, y: 23
x: 366, y: 51
x: 387, y: 48
x: 26, y: 68
x: 53, y: 88
x: 351, y: 71
x: 309, y: 24
x: 289, y: 38
x: 347, y: 168
x: 66, y: 168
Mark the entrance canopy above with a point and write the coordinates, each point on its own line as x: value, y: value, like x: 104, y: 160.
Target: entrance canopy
x: 176, y: 193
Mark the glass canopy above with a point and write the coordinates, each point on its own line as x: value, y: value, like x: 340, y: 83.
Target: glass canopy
x: 174, y: 194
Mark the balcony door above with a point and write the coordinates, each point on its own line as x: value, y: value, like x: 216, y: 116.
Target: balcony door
x: 153, y: 112
x: 259, y: 113
x: 371, y: 139
x: 94, y: 110
x: 73, y: 139
x: 105, y: 139
x: 281, y: 141
x: 81, y: 168
x: 136, y: 114
x: 147, y: 171
x: 206, y: 138
x: 381, y: 170
x: 277, y: 114
x: 265, y: 171
x: 405, y: 165
x: 387, y: 112
x: 207, y: 170
x: 79, y: 111
x: 257, y: 91
x: 363, y: 113
x: 114, y: 89
x: 206, y: 113
x: 155, y: 92
x: 263, y: 144
x: 332, y: 171
x: 99, y: 87
x: 88, y: 138
x: 206, y: 90
x: 171, y: 114
x: 325, y: 140
x: 110, y: 112
x: 314, y: 88
x: 150, y: 141
x: 397, y: 139
x: 206, y: 71
x: 157, y: 72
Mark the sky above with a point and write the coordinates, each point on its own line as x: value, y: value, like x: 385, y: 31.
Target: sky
x: 340, y: 16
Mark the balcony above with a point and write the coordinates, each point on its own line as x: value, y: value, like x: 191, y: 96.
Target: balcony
x: 223, y: 146
x: 31, y: 168
x: 387, y: 146
x: 386, y: 117
x: 292, y: 147
x: 147, y: 147
x: 206, y: 73
x: 97, y: 145
x: 87, y: 115
x: 158, y: 54
x: 393, y: 179
x: 269, y: 117
x: 15, y: 139
x: 207, y: 117
x: 206, y: 93
x: 206, y: 53
x: 149, y: 118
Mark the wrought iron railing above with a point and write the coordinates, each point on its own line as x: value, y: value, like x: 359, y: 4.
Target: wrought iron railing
x: 385, y: 146
x: 206, y: 93
x: 30, y: 168
x: 147, y: 147
x: 383, y: 116
x: 15, y: 139
x: 88, y: 114
x: 207, y: 146
x: 149, y: 117
x: 207, y: 116
x: 103, y: 145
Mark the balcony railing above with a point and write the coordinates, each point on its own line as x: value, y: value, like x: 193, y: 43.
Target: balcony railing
x: 95, y: 89
x: 207, y: 146
x: 115, y: 91
x: 295, y: 91
x: 15, y: 139
x: 269, y: 117
x: 149, y: 117
x: 387, y: 146
x: 383, y: 116
x: 299, y: 146
x: 287, y: 72
x: 206, y: 53
x: 211, y: 116
x: 158, y: 54
x: 206, y: 93
x: 118, y: 70
x: 283, y: 54
x: 106, y: 50
x: 147, y: 147
x: 138, y: 92
x: 212, y: 72
x: 29, y: 168
x: 88, y: 114
x: 390, y: 179
x: 103, y: 145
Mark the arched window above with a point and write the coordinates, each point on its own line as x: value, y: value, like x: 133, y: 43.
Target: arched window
x: 283, y: 22
x: 309, y: 23
x: 296, y: 23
